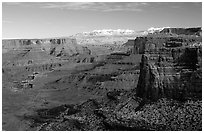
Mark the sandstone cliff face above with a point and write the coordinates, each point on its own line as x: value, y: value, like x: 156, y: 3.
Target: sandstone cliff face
x: 153, y: 42
x: 172, y: 72
x: 185, y: 31
x: 23, y: 52
x: 15, y: 43
x: 66, y: 47
x: 55, y: 46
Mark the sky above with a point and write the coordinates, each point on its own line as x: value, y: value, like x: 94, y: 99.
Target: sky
x: 59, y: 19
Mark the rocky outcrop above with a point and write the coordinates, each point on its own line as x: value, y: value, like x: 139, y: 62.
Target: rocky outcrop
x: 129, y: 43
x: 60, y: 41
x: 124, y: 112
x: 184, y: 31
x: 170, y: 71
x: 22, y: 42
x: 153, y: 42
x: 15, y: 43
x: 66, y: 47
x: 24, y: 52
x: 56, y: 46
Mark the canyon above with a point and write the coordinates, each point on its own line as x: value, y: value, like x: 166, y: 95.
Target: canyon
x: 105, y: 80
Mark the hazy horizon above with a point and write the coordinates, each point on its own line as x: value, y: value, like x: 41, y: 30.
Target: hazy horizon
x: 58, y: 19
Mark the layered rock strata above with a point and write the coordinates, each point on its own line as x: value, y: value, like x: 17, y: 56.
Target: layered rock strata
x: 56, y: 46
x: 185, y: 31
x: 172, y: 72
x: 153, y: 42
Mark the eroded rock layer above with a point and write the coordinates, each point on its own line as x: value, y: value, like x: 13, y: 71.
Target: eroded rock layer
x: 151, y: 43
x: 25, y: 52
x: 56, y: 46
x: 168, y: 70
x: 185, y: 31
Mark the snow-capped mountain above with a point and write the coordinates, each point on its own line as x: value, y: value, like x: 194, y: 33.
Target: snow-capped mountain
x: 118, y: 32
x: 107, y: 32
x: 154, y: 30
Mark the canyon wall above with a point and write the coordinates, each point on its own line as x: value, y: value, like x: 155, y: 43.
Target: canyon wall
x: 156, y: 41
x: 23, y: 52
x: 185, y: 31
x: 170, y: 68
x: 54, y: 46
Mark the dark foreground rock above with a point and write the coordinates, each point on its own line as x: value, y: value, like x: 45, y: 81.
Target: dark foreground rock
x: 128, y: 113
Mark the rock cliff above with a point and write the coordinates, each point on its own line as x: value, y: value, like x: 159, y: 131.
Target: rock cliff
x: 170, y: 69
x: 54, y: 46
x: 155, y: 41
x: 23, y: 52
x: 185, y: 31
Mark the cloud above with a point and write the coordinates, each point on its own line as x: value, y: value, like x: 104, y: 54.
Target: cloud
x: 19, y: 4
x: 175, y: 7
x: 11, y: 3
x: 7, y: 21
x: 88, y: 6
x: 97, y: 6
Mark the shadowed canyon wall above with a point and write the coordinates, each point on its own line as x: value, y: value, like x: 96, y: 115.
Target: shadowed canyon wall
x: 169, y: 68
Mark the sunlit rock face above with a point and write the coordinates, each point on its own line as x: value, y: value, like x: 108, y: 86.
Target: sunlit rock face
x: 66, y: 46
x: 21, y: 52
x: 185, y: 31
x: 54, y: 46
x: 153, y: 42
x: 170, y: 68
